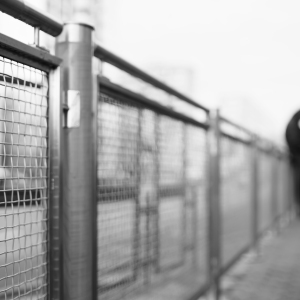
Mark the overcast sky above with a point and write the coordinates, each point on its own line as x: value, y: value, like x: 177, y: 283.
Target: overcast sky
x: 243, y: 50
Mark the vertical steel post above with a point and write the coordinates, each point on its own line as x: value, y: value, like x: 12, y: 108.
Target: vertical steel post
x: 291, y: 188
x: 157, y: 184
x: 79, y: 236
x: 195, y: 225
x: 285, y: 187
x: 274, y: 185
x: 185, y: 191
x: 137, y: 223
x: 254, y: 191
x: 214, y: 214
x: 148, y: 243
x: 54, y: 185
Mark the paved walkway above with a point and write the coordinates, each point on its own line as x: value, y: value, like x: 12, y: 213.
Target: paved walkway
x: 275, y: 274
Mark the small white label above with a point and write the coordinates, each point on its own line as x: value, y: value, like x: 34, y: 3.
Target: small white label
x: 73, y: 119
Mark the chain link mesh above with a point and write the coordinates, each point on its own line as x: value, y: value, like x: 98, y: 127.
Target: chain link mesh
x: 151, y: 203
x: 23, y: 181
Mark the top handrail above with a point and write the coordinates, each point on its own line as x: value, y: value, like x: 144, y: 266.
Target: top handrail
x: 32, y: 16
x: 107, y: 56
x: 237, y: 126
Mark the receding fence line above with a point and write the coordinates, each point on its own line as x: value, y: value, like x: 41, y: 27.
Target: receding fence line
x: 222, y: 119
x: 107, y: 56
x: 247, y: 142
x: 116, y: 90
x: 134, y: 194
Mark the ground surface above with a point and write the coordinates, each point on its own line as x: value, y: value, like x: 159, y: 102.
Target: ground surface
x: 275, y: 273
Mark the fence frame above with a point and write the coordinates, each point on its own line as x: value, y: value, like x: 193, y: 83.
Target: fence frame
x: 215, y: 132
x: 55, y: 184
x: 79, y: 176
x: 213, y: 197
x: 73, y: 251
x: 39, y: 59
x: 254, y: 192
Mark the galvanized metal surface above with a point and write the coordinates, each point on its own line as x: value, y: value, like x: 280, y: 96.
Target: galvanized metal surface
x: 115, y: 90
x: 151, y: 197
x: 214, y: 205
x: 238, y: 197
x: 138, y: 187
x: 55, y: 186
x: 235, y: 198
x: 107, y: 56
x: 78, y: 162
x: 254, y: 191
x: 24, y: 181
x: 31, y: 56
x: 264, y: 191
x: 225, y: 120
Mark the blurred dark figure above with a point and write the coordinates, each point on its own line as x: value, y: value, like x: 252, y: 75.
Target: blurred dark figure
x: 292, y: 135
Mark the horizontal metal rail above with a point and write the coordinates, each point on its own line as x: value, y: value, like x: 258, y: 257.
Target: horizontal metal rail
x: 107, y: 56
x: 236, y: 139
x: 32, y: 16
x: 113, y: 89
x: 236, y: 125
x: 122, y: 64
x: 268, y: 146
x: 34, y: 57
x: 109, y: 192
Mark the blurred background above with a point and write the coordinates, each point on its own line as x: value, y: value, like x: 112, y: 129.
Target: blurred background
x: 241, y: 56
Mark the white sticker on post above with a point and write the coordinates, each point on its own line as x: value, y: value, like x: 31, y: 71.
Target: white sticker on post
x: 73, y: 119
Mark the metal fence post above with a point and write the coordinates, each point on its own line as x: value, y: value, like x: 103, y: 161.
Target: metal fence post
x: 79, y: 236
x: 185, y: 191
x: 55, y: 186
x: 254, y: 191
x: 274, y: 186
x: 157, y: 185
x: 291, y: 189
x: 214, y: 215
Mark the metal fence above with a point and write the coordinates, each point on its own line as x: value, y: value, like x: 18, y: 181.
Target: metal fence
x: 24, y: 196
x: 179, y: 200
x: 151, y: 199
x: 235, y: 198
x: 106, y: 193
x: 26, y: 75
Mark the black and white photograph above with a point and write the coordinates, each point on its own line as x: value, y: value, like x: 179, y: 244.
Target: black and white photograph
x: 149, y: 150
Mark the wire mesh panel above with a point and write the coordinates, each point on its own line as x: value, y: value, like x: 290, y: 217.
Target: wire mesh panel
x: 264, y: 190
x: 196, y: 216
x: 283, y: 201
x: 23, y: 181
x: 151, y: 203
x: 118, y: 178
x: 236, y: 209
x: 172, y: 181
